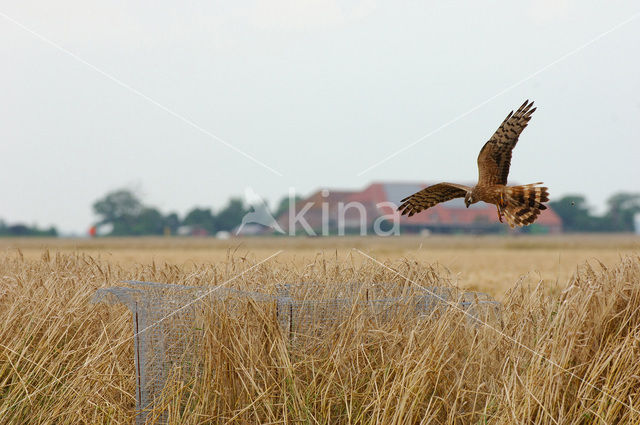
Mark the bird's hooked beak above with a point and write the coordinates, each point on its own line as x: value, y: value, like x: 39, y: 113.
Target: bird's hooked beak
x: 467, y: 201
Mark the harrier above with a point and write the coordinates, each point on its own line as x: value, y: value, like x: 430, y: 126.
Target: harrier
x: 520, y: 205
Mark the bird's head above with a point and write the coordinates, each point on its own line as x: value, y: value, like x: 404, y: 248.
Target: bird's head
x: 468, y: 199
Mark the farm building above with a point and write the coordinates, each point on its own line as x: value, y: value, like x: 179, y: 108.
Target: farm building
x: 328, y: 211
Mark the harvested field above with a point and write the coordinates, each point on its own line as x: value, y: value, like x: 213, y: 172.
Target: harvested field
x: 565, y: 350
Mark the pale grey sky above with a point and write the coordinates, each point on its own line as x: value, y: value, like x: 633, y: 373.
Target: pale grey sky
x: 317, y: 90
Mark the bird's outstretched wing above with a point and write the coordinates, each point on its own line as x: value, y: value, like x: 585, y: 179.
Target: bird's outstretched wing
x: 494, y: 159
x: 431, y: 196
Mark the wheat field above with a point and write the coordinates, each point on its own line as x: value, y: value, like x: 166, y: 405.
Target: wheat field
x: 566, y: 349
x: 491, y: 264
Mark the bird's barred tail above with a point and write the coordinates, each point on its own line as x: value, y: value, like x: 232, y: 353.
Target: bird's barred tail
x: 524, y: 203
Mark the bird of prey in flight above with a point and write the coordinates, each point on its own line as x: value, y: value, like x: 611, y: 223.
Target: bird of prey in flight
x: 520, y: 205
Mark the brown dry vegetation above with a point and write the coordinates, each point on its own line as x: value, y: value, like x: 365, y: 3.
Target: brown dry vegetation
x: 568, y: 356
x: 491, y: 264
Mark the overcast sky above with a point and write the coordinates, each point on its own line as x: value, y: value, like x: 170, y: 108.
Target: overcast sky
x: 192, y: 102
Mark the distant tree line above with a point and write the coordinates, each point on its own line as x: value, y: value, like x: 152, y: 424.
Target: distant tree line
x: 577, y: 215
x: 19, y: 230
x: 127, y: 215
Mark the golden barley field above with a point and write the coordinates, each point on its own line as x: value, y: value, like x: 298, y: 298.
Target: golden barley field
x: 565, y: 348
x: 491, y: 264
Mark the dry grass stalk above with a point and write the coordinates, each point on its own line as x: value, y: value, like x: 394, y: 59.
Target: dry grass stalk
x: 58, y: 363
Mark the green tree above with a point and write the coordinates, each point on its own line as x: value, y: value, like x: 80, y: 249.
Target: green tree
x: 576, y: 215
x: 622, y: 207
x: 122, y: 226
x: 172, y: 221
x: 117, y: 205
x: 574, y: 212
x: 231, y: 215
x: 148, y: 222
x: 130, y: 217
x: 24, y: 230
x: 201, y: 217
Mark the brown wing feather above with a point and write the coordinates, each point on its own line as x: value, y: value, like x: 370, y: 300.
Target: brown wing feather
x: 494, y: 159
x: 431, y: 196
